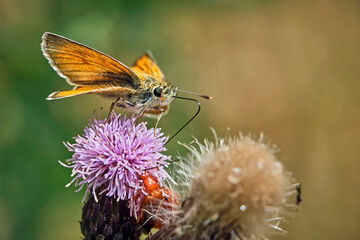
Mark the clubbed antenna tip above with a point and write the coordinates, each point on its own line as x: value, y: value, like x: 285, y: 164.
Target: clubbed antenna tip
x: 197, y: 94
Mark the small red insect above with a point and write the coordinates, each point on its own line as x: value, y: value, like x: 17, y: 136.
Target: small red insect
x: 158, y: 198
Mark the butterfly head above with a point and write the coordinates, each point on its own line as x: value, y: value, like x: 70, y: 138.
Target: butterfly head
x: 164, y: 93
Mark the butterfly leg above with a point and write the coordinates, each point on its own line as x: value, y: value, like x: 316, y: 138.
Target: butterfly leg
x: 157, y: 122
x: 141, y: 113
x: 112, y: 109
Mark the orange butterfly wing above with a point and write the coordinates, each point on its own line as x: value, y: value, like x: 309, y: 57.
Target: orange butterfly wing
x: 87, y: 89
x: 82, y: 65
x: 147, y: 64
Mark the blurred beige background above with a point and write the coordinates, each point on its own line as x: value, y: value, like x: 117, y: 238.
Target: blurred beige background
x: 289, y: 69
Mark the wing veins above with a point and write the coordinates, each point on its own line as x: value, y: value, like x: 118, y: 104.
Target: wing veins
x: 86, y: 61
x: 113, y: 61
x: 83, y: 65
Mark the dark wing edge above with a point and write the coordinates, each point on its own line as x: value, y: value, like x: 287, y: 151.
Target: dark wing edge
x: 123, y: 74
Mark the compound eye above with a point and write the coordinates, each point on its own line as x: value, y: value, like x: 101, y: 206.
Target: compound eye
x: 157, y: 91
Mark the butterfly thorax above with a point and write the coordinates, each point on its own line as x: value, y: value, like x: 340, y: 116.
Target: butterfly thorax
x: 152, y: 96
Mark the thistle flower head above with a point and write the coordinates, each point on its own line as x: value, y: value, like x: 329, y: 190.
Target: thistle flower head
x: 237, y: 190
x: 113, y: 155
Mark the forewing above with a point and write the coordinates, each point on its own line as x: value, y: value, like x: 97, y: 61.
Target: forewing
x: 147, y: 64
x: 82, y: 65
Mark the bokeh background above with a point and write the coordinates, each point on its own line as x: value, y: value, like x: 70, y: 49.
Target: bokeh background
x: 289, y: 69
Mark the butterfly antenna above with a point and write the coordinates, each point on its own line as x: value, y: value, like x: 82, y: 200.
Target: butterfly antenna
x: 190, y: 99
x: 196, y: 94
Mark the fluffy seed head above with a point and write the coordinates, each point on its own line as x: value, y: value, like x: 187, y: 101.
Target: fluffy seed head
x: 238, y: 190
x: 113, y: 155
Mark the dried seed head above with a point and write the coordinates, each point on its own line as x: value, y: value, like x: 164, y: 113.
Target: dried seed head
x: 239, y: 190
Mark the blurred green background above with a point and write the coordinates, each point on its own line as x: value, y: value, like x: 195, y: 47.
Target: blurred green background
x: 290, y: 69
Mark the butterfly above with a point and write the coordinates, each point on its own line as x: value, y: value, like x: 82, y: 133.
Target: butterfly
x: 140, y: 89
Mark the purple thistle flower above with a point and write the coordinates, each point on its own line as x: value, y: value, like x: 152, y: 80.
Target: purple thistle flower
x: 112, y: 156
